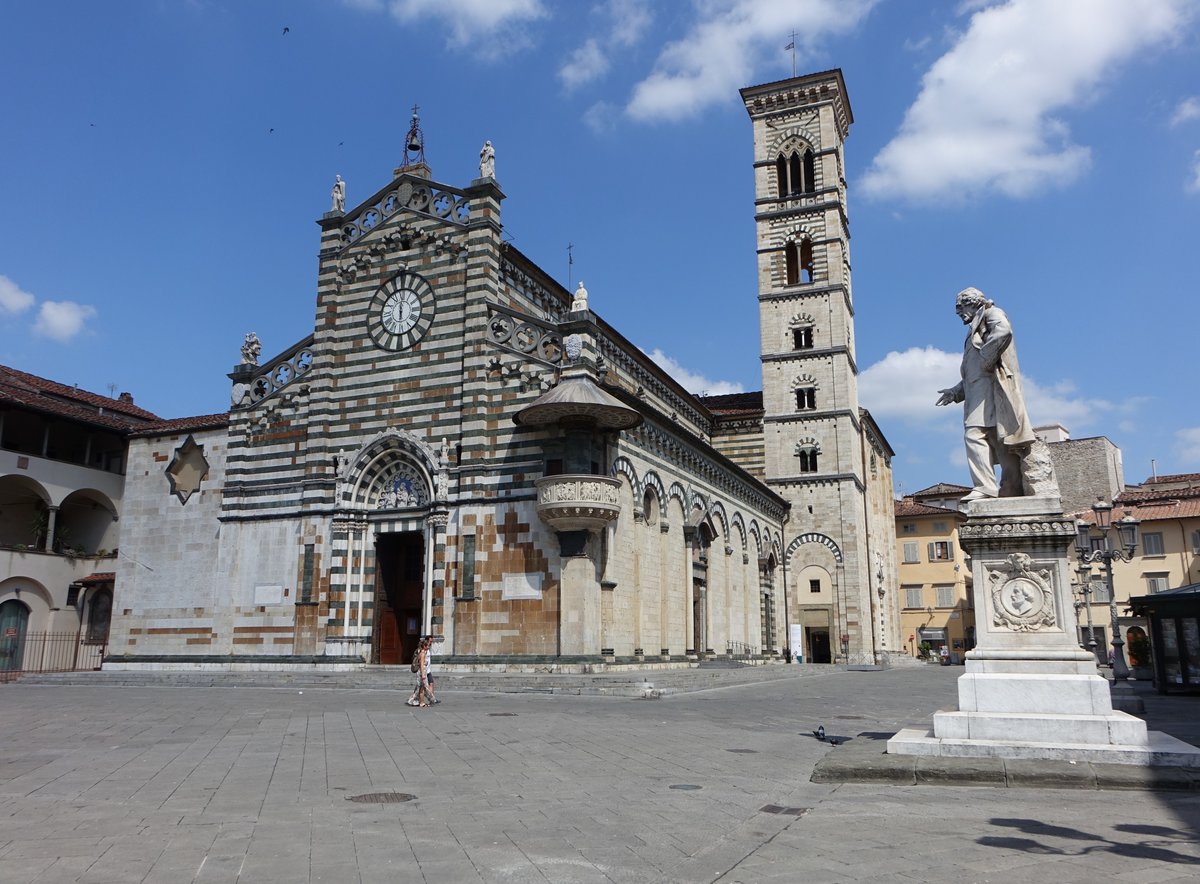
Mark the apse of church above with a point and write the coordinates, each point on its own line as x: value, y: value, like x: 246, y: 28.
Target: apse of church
x: 465, y: 449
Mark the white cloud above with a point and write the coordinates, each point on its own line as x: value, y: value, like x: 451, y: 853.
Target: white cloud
x: 1188, y: 110
x: 587, y: 63
x: 630, y: 18
x: 62, y: 320
x: 601, y: 117
x: 690, y: 381
x: 985, y: 121
x: 12, y: 299
x: 905, y: 386
x: 1061, y: 403
x: 627, y: 22
x: 718, y: 53
x: 1187, y: 445
x: 469, y: 21
x: 1193, y: 182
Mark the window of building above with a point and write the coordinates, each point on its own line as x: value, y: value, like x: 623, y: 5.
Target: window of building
x: 939, y: 527
x: 939, y: 551
x: 796, y: 173
x: 913, y: 597
x: 808, y: 460
x: 1196, y: 543
x: 802, y: 339
x: 945, y: 596
x: 806, y: 398
x: 912, y: 552
x: 909, y: 528
x: 798, y: 260
x: 1152, y: 543
x: 814, y: 586
x: 1158, y: 582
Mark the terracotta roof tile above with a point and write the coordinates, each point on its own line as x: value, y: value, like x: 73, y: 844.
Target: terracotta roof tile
x: 100, y: 577
x: 51, y: 392
x: 1142, y: 495
x: 733, y: 403
x: 941, y: 489
x: 1149, y: 511
x: 1177, y: 477
x: 182, y: 425
x: 906, y: 508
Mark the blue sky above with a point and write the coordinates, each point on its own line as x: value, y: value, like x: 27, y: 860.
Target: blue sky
x: 164, y: 164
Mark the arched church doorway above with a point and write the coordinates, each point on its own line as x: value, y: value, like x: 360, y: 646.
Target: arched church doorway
x: 399, y: 571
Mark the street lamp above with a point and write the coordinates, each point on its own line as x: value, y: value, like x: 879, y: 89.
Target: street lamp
x: 1085, y: 589
x: 1127, y: 534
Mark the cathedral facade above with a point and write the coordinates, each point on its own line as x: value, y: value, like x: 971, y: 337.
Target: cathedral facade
x: 465, y: 449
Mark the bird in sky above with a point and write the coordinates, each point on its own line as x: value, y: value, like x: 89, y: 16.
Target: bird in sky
x: 285, y: 30
x: 819, y: 733
x: 269, y: 131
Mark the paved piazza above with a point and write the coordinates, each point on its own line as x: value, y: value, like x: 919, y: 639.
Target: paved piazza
x: 125, y: 784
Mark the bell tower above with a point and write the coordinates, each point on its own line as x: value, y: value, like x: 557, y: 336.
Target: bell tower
x: 815, y: 454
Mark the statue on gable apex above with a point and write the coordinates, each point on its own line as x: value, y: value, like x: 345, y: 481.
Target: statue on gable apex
x: 581, y: 298
x: 487, y: 161
x: 251, y: 348
x: 338, y: 194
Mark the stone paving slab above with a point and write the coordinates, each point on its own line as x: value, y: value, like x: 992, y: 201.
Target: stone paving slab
x: 251, y: 785
x: 864, y: 759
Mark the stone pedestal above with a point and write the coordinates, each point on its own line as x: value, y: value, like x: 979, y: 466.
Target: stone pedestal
x: 579, y: 605
x: 1029, y: 690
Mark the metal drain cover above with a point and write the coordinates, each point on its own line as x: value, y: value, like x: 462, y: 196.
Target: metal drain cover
x: 382, y: 798
x: 790, y: 811
x: 503, y: 714
x: 743, y: 751
x: 684, y: 787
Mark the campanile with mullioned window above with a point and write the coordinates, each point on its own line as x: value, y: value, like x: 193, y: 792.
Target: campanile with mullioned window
x: 821, y: 451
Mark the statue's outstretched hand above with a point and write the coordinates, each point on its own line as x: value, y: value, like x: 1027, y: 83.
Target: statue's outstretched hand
x: 946, y: 398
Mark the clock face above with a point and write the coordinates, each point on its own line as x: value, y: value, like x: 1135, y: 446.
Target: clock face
x: 401, y: 311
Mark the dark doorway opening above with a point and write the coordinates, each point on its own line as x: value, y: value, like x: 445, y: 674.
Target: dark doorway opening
x: 399, y: 572
x: 817, y: 641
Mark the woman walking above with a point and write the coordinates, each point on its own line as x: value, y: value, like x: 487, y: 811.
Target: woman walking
x: 422, y: 696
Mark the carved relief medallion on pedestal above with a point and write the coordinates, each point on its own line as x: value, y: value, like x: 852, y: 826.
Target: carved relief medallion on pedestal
x: 1022, y: 598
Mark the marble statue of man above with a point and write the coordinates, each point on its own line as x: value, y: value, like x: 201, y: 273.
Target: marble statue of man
x: 487, y: 161
x: 996, y: 424
x: 251, y: 348
x: 581, y: 296
x: 338, y: 194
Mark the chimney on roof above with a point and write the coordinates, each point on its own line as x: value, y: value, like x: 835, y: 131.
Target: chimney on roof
x: 126, y: 398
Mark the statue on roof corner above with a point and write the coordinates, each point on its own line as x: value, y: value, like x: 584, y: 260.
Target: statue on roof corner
x: 251, y: 348
x: 581, y: 298
x: 997, y: 430
x: 338, y: 194
x: 487, y: 161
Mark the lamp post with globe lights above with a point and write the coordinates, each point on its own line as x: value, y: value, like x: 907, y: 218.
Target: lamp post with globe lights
x: 1127, y: 535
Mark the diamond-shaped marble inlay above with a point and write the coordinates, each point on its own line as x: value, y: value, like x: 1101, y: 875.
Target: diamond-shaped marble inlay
x: 188, y: 468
